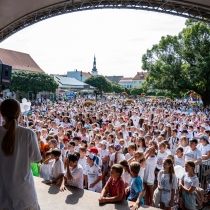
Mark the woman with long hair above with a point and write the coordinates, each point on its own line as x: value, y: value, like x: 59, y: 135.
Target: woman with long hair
x: 188, y: 185
x: 167, y: 184
x: 19, y: 148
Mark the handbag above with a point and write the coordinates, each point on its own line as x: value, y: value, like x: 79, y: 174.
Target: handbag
x: 156, y: 197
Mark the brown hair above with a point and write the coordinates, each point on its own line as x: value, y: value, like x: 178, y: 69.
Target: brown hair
x: 132, y: 146
x: 135, y: 167
x: 191, y: 164
x: 125, y: 164
x: 171, y: 157
x: 115, y: 156
x: 118, y: 168
x: 141, y: 154
x: 82, y: 149
x: 171, y: 169
x: 10, y: 110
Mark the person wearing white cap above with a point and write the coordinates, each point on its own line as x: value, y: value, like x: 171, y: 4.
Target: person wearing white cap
x: 93, y: 174
x: 204, y: 147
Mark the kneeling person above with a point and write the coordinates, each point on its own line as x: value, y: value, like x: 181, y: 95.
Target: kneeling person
x: 93, y: 174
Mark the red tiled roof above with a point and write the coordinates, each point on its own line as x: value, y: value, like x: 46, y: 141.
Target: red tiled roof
x: 140, y: 76
x: 86, y: 74
x: 19, y: 60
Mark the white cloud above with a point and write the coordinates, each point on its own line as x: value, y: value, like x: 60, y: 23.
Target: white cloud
x: 119, y: 38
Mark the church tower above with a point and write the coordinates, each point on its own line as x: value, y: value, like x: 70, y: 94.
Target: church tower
x: 94, y: 71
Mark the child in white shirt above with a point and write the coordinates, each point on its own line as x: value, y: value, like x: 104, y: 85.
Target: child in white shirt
x: 46, y: 167
x: 57, y: 167
x: 179, y: 157
x: 93, y: 174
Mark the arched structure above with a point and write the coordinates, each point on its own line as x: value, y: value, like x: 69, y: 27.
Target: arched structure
x: 18, y: 14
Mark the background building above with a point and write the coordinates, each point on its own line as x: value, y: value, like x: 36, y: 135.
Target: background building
x: 19, y: 61
x: 126, y: 82
x: 79, y: 75
x: 94, y: 71
x: 70, y: 83
x: 114, y: 79
x: 139, y: 79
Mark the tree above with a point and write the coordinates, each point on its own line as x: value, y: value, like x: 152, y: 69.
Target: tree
x: 117, y: 88
x: 99, y: 82
x: 136, y: 91
x: 29, y: 81
x: 181, y: 63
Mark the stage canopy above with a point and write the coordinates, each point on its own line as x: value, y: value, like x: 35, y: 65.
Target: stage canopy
x: 18, y: 14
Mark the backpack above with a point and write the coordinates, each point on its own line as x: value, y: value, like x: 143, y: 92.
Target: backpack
x: 200, y: 196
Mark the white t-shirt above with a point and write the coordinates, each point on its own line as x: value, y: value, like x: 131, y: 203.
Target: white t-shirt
x: 46, y: 170
x: 204, y: 149
x: 166, y: 186
x: 173, y: 144
x: 63, y: 152
x: 92, y: 175
x: 125, y: 134
x: 83, y: 163
x: 149, y: 172
x: 179, y: 161
x: 190, y: 181
x: 127, y: 156
x: 76, y: 148
x: 126, y: 178
x: 103, y: 153
x: 135, y: 120
x: 141, y: 172
x: 160, y: 158
x: 78, y: 178
x: 17, y: 190
x: 168, y: 151
x: 119, y: 157
x: 57, y: 168
x: 193, y: 155
x: 184, y: 148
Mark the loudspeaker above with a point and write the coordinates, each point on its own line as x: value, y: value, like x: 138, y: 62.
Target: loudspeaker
x: 5, y: 75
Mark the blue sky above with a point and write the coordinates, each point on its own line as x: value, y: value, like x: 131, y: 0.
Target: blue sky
x: 118, y: 38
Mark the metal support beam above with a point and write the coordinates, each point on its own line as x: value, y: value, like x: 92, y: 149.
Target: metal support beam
x: 179, y: 8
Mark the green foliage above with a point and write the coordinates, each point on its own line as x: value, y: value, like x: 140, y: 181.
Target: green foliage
x: 117, y: 88
x: 36, y: 82
x: 181, y: 63
x: 99, y: 82
x: 136, y: 91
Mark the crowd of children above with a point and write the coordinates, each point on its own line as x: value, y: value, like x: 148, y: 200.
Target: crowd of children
x: 122, y: 151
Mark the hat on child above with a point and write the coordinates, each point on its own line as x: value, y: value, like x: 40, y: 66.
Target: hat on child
x: 117, y: 147
x: 93, y: 150
x: 104, y: 142
x: 66, y: 140
x: 204, y: 137
x: 91, y: 156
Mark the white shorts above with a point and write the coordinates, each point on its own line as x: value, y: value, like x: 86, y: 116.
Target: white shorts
x: 97, y: 188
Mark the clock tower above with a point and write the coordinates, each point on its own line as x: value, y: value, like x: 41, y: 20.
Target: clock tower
x: 94, y: 71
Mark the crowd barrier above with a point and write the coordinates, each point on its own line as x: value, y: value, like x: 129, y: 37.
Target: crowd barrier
x: 204, y: 174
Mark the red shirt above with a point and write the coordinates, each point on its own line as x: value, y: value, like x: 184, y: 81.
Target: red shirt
x: 116, y: 187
